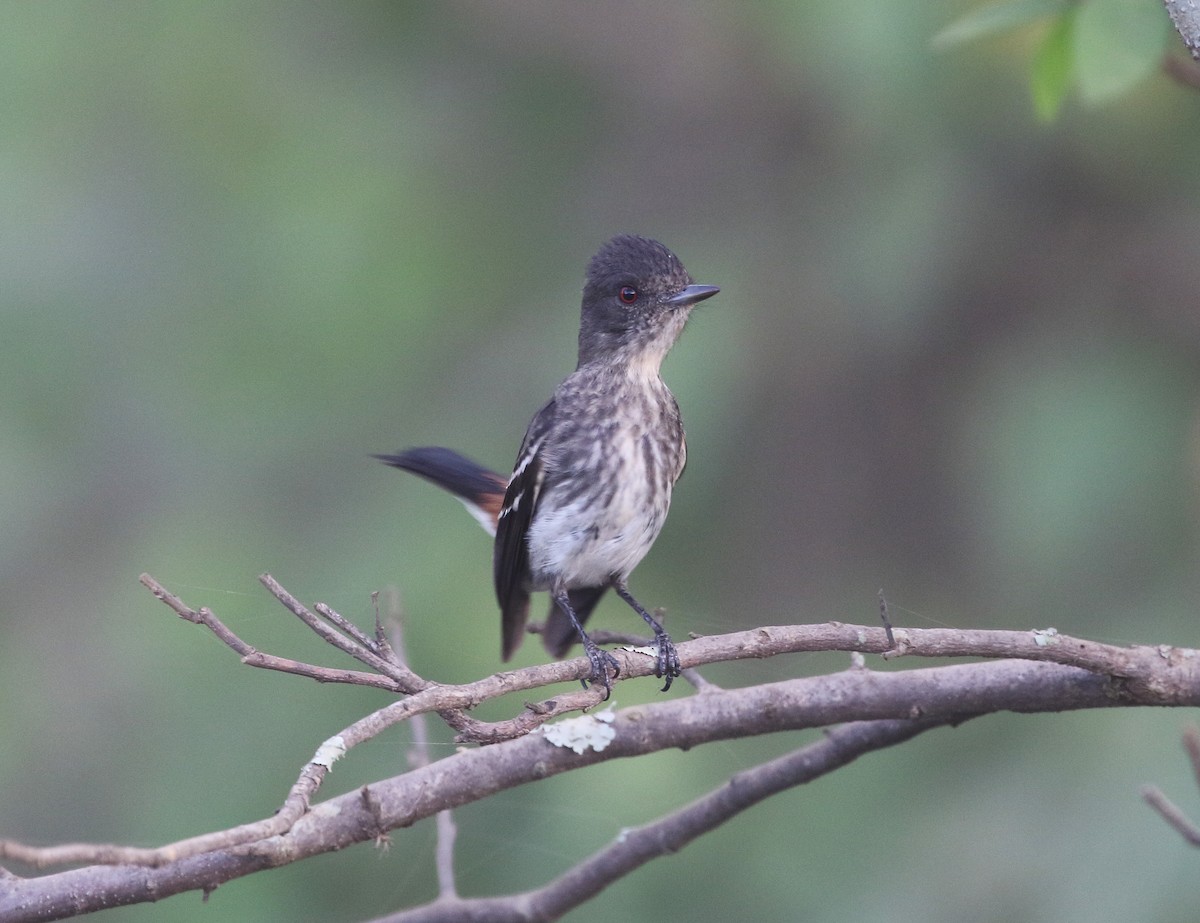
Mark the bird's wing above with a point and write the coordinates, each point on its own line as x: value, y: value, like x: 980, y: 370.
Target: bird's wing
x: 511, y: 556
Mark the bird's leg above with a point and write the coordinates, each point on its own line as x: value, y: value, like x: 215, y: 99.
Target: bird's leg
x: 667, y: 662
x: 601, y: 661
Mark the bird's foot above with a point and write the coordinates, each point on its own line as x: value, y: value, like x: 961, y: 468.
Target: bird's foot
x: 602, y: 663
x: 667, y: 662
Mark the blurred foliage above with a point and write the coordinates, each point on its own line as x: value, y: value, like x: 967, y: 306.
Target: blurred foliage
x: 1101, y: 47
x: 956, y: 354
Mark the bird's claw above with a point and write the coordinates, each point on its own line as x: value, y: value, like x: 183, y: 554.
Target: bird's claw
x: 667, y: 662
x: 602, y: 662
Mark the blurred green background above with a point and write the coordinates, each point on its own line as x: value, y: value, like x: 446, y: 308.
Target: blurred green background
x: 955, y: 355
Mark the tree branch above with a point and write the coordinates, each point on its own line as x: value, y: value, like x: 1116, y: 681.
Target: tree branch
x: 949, y: 694
x: 1054, y: 673
x: 1135, y: 664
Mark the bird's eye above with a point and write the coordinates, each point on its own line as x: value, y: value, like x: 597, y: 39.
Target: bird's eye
x: 628, y: 294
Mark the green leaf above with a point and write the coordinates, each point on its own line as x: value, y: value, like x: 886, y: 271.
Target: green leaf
x: 1053, y: 65
x: 1117, y: 43
x: 995, y: 18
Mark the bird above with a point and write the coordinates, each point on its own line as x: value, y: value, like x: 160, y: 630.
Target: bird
x: 593, y: 479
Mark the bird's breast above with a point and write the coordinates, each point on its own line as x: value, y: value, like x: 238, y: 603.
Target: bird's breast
x: 605, y: 500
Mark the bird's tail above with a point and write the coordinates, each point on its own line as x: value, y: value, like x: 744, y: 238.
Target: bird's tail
x: 480, y: 490
x: 482, y: 493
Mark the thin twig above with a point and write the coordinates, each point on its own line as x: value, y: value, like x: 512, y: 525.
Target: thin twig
x: 1167, y: 809
x: 253, y: 657
x: 321, y: 674
x: 342, y: 623
x: 1172, y: 814
x: 887, y: 620
x: 363, y: 654
x: 1191, y: 743
x: 420, y: 756
x: 202, y: 616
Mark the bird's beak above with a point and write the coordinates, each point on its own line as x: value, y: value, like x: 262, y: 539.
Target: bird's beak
x: 692, y: 294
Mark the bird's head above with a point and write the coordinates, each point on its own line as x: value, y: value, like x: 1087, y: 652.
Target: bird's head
x: 636, y: 300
